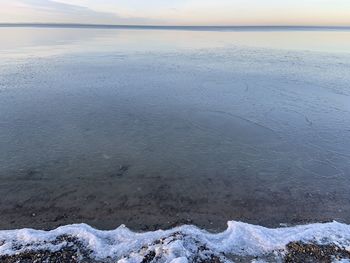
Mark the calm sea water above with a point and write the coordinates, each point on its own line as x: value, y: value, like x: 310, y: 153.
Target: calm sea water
x: 153, y: 128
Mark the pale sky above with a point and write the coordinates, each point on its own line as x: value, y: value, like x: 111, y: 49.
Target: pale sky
x: 178, y: 12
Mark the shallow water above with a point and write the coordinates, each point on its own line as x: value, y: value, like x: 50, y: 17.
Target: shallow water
x: 154, y: 128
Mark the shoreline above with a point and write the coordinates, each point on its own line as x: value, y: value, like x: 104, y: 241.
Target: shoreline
x: 240, y: 242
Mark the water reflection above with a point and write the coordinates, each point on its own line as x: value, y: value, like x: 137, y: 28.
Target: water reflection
x: 53, y: 41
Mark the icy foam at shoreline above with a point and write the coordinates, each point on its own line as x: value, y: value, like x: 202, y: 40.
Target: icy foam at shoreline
x: 175, y: 245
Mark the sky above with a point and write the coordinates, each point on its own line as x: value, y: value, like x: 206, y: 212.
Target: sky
x: 178, y: 12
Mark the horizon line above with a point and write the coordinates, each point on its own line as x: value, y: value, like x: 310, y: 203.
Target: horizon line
x: 184, y: 27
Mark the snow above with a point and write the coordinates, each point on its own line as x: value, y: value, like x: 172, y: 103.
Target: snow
x: 177, y: 245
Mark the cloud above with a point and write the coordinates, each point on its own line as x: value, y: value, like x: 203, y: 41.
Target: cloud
x: 50, y: 11
x: 178, y: 12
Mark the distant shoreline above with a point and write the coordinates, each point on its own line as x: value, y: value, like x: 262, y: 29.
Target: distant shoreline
x: 186, y: 28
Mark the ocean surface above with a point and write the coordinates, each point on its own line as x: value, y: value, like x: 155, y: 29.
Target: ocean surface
x: 159, y: 127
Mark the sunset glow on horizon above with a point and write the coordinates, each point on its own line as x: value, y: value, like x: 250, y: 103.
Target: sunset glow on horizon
x: 178, y: 12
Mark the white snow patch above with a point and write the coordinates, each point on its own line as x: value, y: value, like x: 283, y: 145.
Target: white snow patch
x: 177, y: 245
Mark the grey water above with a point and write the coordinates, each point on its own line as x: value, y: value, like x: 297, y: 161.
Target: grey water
x: 156, y: 128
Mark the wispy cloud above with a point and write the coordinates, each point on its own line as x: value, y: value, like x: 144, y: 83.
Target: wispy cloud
x: 180, y: 12
x: 57, y: 12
